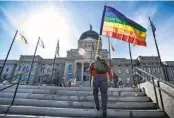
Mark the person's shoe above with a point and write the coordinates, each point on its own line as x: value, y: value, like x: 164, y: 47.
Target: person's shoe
x: 104, y: 113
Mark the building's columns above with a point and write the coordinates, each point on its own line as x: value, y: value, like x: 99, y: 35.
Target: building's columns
x: 82, y: 71
x: 75, y: 68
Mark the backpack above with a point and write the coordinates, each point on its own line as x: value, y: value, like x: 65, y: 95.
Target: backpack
x: 101, y: 67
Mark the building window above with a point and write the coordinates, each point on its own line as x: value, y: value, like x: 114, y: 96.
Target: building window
x: 127, y: 70
x: 7, y: 69
x: 19, y: 68
x: 24, y: 68
x: 4, y: 76
x: 48, y: 70
x: 28, y: 68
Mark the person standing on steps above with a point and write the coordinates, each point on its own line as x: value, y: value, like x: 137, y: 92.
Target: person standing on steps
x: 100, y: 71
x: 115, y: 80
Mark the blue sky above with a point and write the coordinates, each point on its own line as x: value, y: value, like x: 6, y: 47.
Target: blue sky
x: 68, y: 20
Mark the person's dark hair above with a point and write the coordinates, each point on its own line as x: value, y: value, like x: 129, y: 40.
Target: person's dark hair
x: 98, y: 58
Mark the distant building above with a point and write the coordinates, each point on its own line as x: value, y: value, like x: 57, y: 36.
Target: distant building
x: 151, y: 65
x: 42, y: 68
x: 122, y: 67
x: 169, y: 66
x: 169, y: 63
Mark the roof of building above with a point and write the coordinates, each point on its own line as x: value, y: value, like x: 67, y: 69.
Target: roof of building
x: 89, y: 33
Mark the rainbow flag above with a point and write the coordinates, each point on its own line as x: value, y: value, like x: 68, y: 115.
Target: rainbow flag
x: 115, y: 24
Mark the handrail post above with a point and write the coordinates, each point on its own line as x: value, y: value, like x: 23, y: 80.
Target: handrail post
x: 14, y: 96
x: 161, y: 99
x: 155, y: 92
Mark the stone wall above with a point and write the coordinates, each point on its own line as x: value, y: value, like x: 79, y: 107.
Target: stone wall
x: 167, y: 99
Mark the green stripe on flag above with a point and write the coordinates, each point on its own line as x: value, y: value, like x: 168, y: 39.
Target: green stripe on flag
x: 123, y: 21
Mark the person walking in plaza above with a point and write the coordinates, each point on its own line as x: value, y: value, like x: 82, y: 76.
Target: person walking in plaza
x: 115, y: 80
x: 100, y: 71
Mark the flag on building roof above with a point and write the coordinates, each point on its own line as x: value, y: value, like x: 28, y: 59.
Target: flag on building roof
x: 112, y: 47
x: 115, y: 24
x: 42, y: 44
x: 21, y: 38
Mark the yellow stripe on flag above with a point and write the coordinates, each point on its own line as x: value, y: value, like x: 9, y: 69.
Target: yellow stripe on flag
x: 113, y: 27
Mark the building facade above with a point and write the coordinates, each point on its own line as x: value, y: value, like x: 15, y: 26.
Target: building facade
x: 169, y: 66
x: 150, y: 64
x: 76, y: 64
x: 8, y: 70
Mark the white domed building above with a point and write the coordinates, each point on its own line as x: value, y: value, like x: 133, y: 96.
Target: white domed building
x: 78, y: 60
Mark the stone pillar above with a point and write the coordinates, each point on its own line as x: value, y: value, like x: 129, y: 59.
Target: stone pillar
x: 75, y: 68
x: 82, y: 71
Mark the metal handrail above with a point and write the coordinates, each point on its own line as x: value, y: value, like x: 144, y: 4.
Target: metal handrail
x: 154, y: 85
x: 158, y: 80
x: 145, y: 72
x: 16, y: 89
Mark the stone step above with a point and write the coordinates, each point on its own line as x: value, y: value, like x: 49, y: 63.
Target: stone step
x: 83, y: 113
x: 70, y: 88
x: 77, y: 93
x: 73, y: 98
x: 30, y: 116
x: 22, y: 90
x: 75, y: 104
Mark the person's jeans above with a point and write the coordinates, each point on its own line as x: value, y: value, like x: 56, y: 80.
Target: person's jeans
x: 100, y: 82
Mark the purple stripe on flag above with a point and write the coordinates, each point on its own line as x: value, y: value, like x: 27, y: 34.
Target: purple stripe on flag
x: 102, y: 21
x: 120, y: 15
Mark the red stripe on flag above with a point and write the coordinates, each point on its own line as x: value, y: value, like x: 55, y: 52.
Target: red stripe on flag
x: 131, y: 38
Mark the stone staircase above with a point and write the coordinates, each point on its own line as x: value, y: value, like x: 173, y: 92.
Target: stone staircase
x: 82, y: 84
x: 60, y: 102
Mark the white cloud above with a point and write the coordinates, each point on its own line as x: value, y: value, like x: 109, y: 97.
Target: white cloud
x: 164, y: 34
x: 51, y: 24
x: 142, y: 14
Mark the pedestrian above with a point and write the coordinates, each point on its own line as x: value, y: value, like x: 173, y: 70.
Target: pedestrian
x: 120, y: 84
x: 115, y: 80
x: 99, y: 70
x: 69, y: 83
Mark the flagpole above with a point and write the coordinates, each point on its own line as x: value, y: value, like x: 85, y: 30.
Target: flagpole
x: 33, y: 61
x: 57, y: 47
x: 109, y: 51
x: 91, y: 52
x: 159, y: 56
x: 8, y: 53
x: 98, y: 44
x: 130, y: 53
